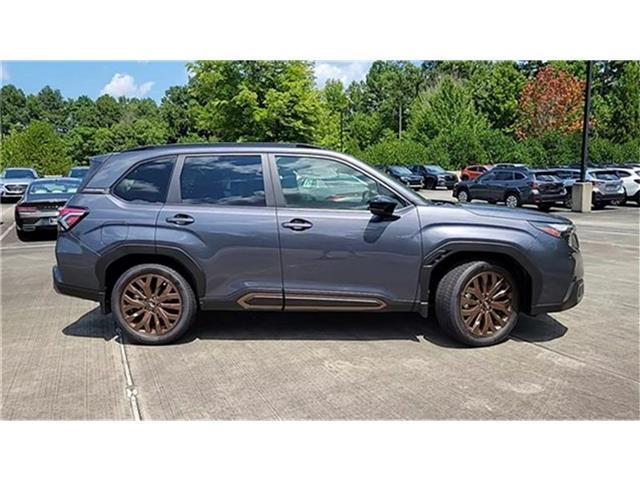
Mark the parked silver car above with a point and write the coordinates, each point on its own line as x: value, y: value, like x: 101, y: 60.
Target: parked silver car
x: 607, y: 186
x: 14, y: 182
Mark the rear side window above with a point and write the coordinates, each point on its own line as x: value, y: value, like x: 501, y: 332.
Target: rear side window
x: 545, y: 177
x: 504, y: 176
x: 147, y: 182
x: 622, y: 173
x: 606, y: 175
x: 223, y: 180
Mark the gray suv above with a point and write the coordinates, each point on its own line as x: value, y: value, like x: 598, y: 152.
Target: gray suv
x: 155, y: 234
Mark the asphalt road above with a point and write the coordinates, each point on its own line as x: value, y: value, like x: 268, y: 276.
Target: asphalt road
x: 62, y: 360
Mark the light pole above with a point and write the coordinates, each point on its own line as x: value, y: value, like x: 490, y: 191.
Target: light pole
x: 582, y: 190
x: 585, y: 124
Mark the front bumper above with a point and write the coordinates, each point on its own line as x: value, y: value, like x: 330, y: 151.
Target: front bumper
x: 446, y: 182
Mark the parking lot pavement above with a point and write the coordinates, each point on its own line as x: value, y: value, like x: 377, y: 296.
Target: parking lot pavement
x: 61, y: 359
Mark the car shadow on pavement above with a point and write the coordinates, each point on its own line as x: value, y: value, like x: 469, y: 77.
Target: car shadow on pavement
x: 235, y: 326
x: 92, y: 324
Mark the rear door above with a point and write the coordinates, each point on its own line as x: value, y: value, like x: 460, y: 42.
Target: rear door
x: 503, y: 180
x: 220, y: 213
x: 335, y: 254
x: 481, y: 188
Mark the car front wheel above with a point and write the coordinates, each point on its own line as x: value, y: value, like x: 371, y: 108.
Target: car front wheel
x: 153, y: 304
x: 463, y: 196
x: 477, y: 303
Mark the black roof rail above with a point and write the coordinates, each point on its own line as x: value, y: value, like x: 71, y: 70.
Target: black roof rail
x: 224, y: 144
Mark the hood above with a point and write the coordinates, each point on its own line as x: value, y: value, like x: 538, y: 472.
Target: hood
x: 500, y: 212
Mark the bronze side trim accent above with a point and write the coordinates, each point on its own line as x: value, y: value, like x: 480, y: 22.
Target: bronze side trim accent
x: 310, y: 302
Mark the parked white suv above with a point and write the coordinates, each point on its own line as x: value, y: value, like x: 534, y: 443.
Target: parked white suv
x: 631, y: 182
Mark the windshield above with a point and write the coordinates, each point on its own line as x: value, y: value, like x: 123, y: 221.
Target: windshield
x: 78, y: 172
x: 400, y: 170
x: 49, y: 187
x: 19, y: 173
x: 435, y: 169
x: 605, y: 175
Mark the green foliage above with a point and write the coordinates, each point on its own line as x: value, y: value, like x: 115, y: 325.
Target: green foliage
x: 37, y: 146
x: 625, y: 105
x: 242, y: 101
x: 396, y: 152
x: 13, y: 109
x: 443, y: 110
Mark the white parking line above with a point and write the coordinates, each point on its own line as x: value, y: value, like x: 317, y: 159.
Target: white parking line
x: 6, y: 232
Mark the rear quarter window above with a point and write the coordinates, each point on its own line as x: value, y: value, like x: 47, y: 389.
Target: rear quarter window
x: 148, y: 182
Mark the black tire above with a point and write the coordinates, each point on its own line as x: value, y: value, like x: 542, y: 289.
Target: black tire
x: 512, y: 203
x: 185, y: 317
x: 599, y: 205
x: 466, y: 194
x: 544, y: 207
x: 430, y: 184
x: 448, y: 297
x: 568, y: 202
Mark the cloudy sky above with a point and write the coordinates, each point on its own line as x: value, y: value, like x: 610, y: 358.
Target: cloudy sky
x: 133, y: 79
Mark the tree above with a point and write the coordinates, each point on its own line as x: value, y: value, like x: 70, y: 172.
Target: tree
x: 396, y: 152
x: 13, y: 109
x: 49, y: 106
x: 175, y: 111
x: 625, y: 105
x: 240, y: 101
x: 443, y: 109
x: 82, y: 113
x: 109, y: 112
x: 551, y: 102
x: 37, y: 146
x: 497, y: 95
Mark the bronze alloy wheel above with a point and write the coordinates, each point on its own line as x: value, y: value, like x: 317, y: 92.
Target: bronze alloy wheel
x: 151, y: 304
x: 486, y: 304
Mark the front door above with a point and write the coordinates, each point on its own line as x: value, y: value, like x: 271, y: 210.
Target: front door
x: 217, y: 211
x: 335, y: 254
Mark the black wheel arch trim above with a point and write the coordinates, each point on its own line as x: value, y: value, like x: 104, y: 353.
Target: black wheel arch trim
x: 118, y: 252
x: 448, y: 248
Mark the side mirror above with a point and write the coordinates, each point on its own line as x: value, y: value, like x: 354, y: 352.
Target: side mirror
x: 382, y: 206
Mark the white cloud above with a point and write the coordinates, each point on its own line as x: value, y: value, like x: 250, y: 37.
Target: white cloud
x: 4, y: 73
x: 124, y: 85
x: 346, y: 72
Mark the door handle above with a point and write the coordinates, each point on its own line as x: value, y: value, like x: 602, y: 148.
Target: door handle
x: 181, y: 219
x: 298, y: 224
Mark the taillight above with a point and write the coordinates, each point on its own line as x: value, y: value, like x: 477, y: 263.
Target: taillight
x: 70, y: 216
x: 26, y: 209
x: 533, y: 185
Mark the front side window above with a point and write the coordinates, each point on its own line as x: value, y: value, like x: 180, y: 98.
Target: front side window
x: 223, y: 180
x: 323, y: 183
x: 148, y: 182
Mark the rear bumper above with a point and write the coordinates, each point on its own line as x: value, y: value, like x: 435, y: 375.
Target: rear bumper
x: 600, y: 197
x: 74, y: 291
x: 548, y: 198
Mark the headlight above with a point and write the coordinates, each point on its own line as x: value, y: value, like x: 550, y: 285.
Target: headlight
x: 554, y: 229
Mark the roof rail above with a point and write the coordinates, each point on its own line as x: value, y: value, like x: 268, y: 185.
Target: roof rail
x: 224, y: 144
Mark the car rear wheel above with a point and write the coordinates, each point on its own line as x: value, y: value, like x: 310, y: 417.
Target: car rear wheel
x: 463, y: 196
x: 568, y: 202
x: 430, y: 184
x: 153, y: 304
x: 477, y: 303
x: 512, y: 200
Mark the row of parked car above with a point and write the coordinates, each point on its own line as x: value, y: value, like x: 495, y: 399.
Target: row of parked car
x: 517, y: 184
x: 39, y: 198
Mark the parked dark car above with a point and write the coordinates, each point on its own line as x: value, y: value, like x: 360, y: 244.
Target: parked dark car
x: 404, y: 175
x: 37, y: 210
x: 14, y: 182
x: 434, y: 176
x: 78, y: 172
x: 156, y: 234
x: 515, y: 186
x: 608, y: 187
